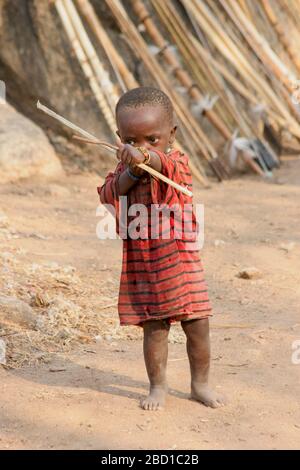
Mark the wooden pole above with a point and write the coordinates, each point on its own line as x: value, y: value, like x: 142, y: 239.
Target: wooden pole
x: 293, y: 54
x: 90, y: 52
x: 85, y: 65
x: 113, y: 55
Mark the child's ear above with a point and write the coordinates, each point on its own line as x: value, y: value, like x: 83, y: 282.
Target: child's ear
x: 172, y: 135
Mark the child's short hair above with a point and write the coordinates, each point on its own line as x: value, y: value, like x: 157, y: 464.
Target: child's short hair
x: 143, y: 96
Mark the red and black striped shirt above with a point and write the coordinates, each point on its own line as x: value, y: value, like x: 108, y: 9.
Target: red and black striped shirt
x: 161, y: 278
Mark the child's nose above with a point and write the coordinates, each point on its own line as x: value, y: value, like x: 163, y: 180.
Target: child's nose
x: 146, y: 145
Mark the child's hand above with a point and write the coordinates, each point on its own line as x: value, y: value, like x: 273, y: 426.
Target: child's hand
x: 131, y: 157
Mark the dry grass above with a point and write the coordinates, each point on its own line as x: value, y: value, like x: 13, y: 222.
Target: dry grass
x: 70, y: 309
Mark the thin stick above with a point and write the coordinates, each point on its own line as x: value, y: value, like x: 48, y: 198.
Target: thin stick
x: 141, y: 165
x: 89, y: 136
x: 96, y: 142
x: 112, y: 148
x: 65, y: 121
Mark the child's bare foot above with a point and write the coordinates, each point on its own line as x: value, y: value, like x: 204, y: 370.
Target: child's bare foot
x: 198, y: 348
x: 156, y: 399
x: 156, y: 353
x: 207, y: 396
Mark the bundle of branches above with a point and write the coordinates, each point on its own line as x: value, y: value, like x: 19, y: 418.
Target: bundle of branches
x: 228, y: 56
x: 124, y: 76
x: 180, y: 73
x: 236, y: 51
x: 210, y: 75
x: 192, y: 129
x: 98, y: 78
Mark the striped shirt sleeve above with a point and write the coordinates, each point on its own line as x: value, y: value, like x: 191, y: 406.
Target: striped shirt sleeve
x: 176, y: 167
x: 109, y: 191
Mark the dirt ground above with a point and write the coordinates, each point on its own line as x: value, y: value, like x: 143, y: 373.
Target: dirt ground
x: 86, y: 397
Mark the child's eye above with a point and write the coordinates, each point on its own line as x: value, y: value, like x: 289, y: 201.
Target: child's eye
x: 130, y: 142
x: 153, y: 140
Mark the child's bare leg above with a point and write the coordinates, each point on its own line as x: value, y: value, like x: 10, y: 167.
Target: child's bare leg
x: 156, y: 354
x: 198, y: 349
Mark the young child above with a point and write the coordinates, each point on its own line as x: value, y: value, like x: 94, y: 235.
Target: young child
x: 162, y: 279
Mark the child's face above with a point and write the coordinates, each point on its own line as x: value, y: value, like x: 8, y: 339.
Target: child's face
x: 146, y: 126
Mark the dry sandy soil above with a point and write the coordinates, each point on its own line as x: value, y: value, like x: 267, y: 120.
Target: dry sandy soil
x: 86, y: 397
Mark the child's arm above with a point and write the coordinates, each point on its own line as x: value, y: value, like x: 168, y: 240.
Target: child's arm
x: 119, y: 182
x: 109, y: 190
x: 125, y: 182
x: 131, y: 157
